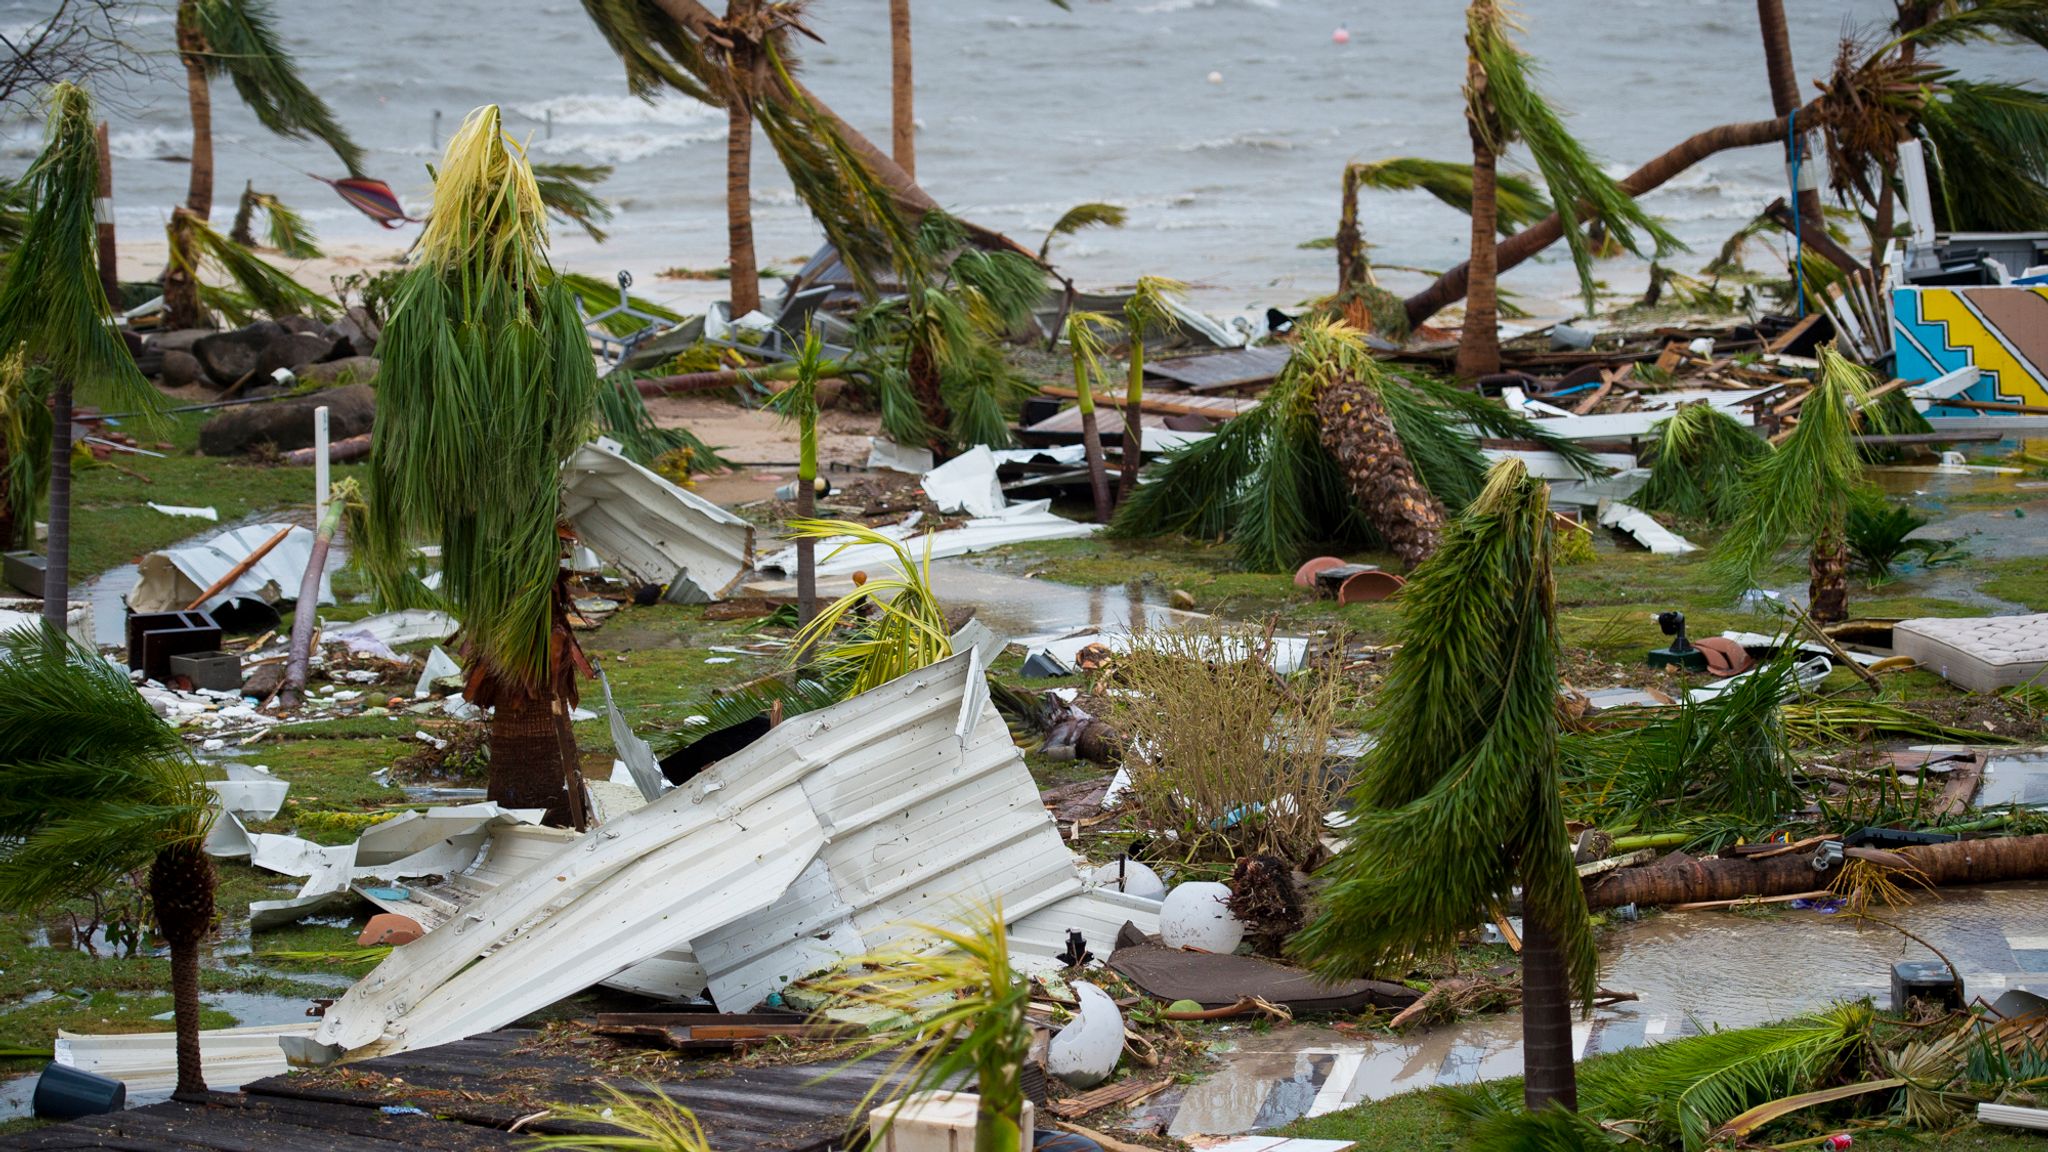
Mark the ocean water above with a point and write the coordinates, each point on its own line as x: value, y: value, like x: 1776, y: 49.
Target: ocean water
x: 1221, y: 125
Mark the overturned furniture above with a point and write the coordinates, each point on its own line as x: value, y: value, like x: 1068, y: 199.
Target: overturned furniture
x: 833, y: 835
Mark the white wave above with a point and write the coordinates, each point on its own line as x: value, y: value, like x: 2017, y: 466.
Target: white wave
x: 1164, y: 6
x: 622, y: 147
x: 1250, y: 141
x: 611, y: 109
x: 154, y: 143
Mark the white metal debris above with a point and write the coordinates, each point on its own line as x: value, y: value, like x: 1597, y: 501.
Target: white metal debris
x: 1629, y: 425
x: 435, y: 842
x: 967, y: 483
x: 406, y: 627
x: 650, y: 529
x: 1063, y: 650
x: 169, y: 580
x: 148, y: 1061
x: 831, y: 834
x: 887, y: 454
x: 1016, y: 524
x: 184, y: 510
x: 1658, y: 539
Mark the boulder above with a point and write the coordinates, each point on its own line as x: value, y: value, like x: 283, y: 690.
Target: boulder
x: 148, y: 361
x: 263, y: 680
x: 294, y: 351
x: 303, y: 324
x: 288, y: 424
x: 229, y: 356
x: 179, y: 369
x: 178, y: 339
x: 359, y: 329
x: 347, y: 370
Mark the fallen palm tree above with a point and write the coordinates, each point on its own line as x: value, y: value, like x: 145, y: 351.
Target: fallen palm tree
x: 1696, y: 459
x: 1682, y: 879
x: 1342, y: 450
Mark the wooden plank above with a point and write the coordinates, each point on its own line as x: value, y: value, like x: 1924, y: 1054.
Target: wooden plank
x: 1791, y: 336
x: 1217, y: 407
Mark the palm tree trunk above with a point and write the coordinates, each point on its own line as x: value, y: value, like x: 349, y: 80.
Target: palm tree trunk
x: 182, y: 306
x: 181, y: 888
x: 110, y: 274
x: 903, y: 115
x: 1547, y: 1074
x: 1360, y: 436
x: 529, y: 769
x: 1479, y: 346
x: 57, y: 552
x: 198, y: 94
x: 1450, y: 287
x: 739, y: 207
x: 1827, y: 589
x: 1813, y: 228
x: 1352, y: 269
x: 806, y: 554
x: 1091, y: 443
x: 304, y: 615
x: 9, y: 530
x: 1134, y: 427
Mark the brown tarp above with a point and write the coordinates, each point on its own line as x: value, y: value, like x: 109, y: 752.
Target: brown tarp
x: 1214, y: 980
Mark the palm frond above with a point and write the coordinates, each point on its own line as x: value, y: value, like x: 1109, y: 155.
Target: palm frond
x: 904, y: 628
x: 1980, y: 20
x: 1692, y: 1086
x: 644, y: 1121
x: 96, y: 783
x: 1989, y: 144
x: 1080, y: 217
x: 622, y: 415
x: 1579, y: 189
x: 197, y: 249
x: 284, y: 229
x: 656, y: 52
x: 25, y: 427
x: 1458, y: 800
x: 1697, y: 458
x: 242, y: 44
x: 52, y: 301
x: 486, y: 372
x: 568, y: 192
x: 1519, y: 203
x: 1802, y: 491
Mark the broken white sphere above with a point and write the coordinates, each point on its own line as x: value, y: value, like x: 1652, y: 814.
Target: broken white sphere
x: 1197, y: 915
x: 1086, y: 1051
x: 1129, y: 877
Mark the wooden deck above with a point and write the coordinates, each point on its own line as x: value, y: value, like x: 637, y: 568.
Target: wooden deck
x: 473, y: 1091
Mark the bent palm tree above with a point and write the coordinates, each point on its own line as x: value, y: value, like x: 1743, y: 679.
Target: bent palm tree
x: 1800, y: 494
x: 52, y: 304
x: 1458, y: 803
x: 487, y: 374
x: 97, y: 787
x: 1360, y: 436
x: 1084, y: 340
x: 1502, y: 107
x: 238, y: 40
x: 1150, y: 306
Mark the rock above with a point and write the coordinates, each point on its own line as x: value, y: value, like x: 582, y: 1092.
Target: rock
x: 295, y: 351
x: 148, y: 361
x: 359, y: 329
x: 333, y: 373
x: 229, y: 356
x: 178, y: 339
x: 262, y: 681
x: 288, y: 424
x: 302, y: 324
x: 1182, y: 599
x: 179, y: 369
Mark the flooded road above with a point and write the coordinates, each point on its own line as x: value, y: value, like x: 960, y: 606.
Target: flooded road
x: 1693, y: 972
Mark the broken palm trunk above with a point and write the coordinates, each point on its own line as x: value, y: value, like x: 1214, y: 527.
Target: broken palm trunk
x: 824, y: 839
x: 1682, y: 879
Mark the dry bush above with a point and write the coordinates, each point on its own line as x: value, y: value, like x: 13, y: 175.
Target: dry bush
x: 1223, y: 754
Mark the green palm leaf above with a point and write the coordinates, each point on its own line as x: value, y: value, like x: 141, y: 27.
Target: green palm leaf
x: 259, y: 285
x: 1989, y: 145
x: 1519, y: 203
x: 242, y: 44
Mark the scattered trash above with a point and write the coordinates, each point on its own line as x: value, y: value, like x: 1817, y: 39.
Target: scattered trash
x: 172, y: 580
x: 180, y: 510
x: 650, y: 529
x: 1197, y: 915
x: 1216, y: 980
x: 1085, y: 1052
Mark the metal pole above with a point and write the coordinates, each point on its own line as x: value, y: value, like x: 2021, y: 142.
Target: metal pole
x: 103, y: 215
x: 320, y: 464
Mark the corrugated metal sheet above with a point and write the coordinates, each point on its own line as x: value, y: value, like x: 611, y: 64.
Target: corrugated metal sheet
x: 173, y: 578
x: 828, y: 836
x: 650, y: 528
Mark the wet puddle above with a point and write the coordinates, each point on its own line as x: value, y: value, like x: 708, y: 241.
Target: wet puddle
x: 1693, y: 972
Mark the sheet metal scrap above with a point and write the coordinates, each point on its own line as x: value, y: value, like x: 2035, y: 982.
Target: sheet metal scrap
x: 716, y: 1032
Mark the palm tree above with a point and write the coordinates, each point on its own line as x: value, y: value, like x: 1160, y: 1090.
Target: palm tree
x: 52, y: 304
x: 1084, y: 339
x: 902, y: 95
x: 237, y: 39
x: 1800, y: 494
x: 1458, y: 802
x: 1272, y: 483
x: 96, y: 788
x: 1360, y: 437
x: 487, y: 374
x: 1502, y: 107
x: 799, y: 402
x: 1150, y: 306
x: 1361, y: 301
x: 896, y: 624
x: 24, y: 445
